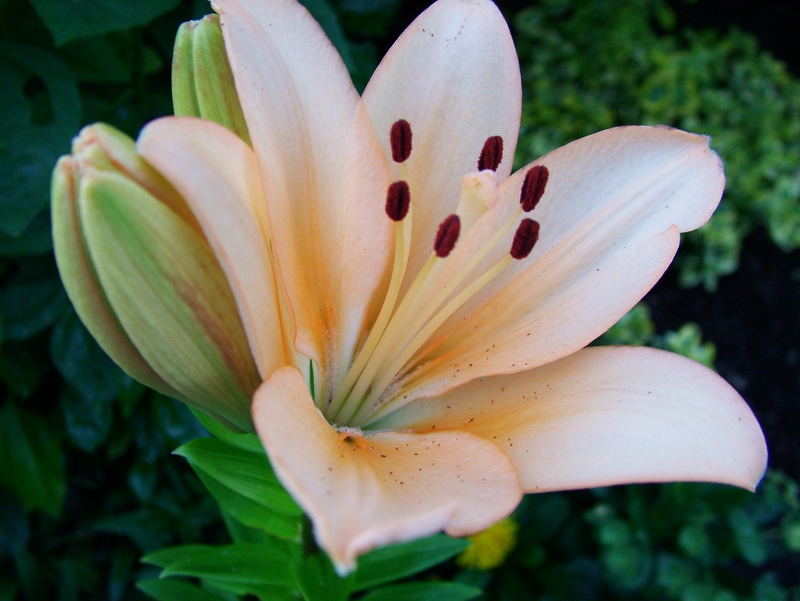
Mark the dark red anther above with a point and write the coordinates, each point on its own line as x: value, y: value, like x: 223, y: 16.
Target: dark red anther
x: 400, y: 138
x: 398, y: 199
x: 533, y: 187
x: 447, y: 236
x: 492, y: 154
x: 525, y: 238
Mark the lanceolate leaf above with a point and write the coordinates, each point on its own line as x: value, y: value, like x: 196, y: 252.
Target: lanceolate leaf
x: 318, y: 581
x: 173, y: 589
x: 32, y: 139
x: 31, y: 462
x: 424, y: 591
x: 398, y: 561
x: 250, y: 513
x: 67, y: 21
x: 248, y: 564
x: 81, y: 362
x: 245, y: 472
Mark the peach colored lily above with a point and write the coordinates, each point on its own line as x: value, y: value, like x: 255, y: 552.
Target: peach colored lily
x: 417, y: 313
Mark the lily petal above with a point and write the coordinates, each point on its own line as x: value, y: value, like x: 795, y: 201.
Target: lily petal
x: 603, y: 416
x: 217, y: 174
x: 324, y: 175
x: 366, y: 490
x: 454, y: 76
x: 610, y: 222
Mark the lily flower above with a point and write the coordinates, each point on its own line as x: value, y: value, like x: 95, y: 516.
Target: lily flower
x: 418, y: 314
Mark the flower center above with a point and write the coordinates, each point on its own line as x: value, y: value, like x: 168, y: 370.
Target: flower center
x: 405, y: 325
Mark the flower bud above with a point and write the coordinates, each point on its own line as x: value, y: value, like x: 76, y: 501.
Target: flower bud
x: 144, y: 280
x: 202, y: 80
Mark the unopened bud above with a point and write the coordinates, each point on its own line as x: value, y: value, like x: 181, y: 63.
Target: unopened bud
x: 202, y: 80
x: 144, y: 280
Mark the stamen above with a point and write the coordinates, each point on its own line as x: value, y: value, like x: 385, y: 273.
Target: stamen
x: 533, y: 187
x: 492, y: 154
x: 525, y: 238
x: 400, y: 138
x: 447, y: 236
x: 398, y: 199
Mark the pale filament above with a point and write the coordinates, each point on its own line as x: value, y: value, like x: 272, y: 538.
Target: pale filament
x: 401, y: 330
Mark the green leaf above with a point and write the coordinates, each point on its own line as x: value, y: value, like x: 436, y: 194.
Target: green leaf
x: 8, y: 590
x: 242, y: 563
x: 749, y: 538
x: 14, y: 532
x: 122, y: 561
x: 250, y: 513
x: 402, y: 560
x: 148, y: 528
x: 84, y: 366
x: 35, y: 240
x: 30, y: 453
x: 111, y: 58
x: 37, y: 127
x: 424, y: 591
x: 168, y: 555
x: 87, y: 422
x: 248, y: 442
x: 688, y: 341
x: 31, y: 300
x: 22, y: 367
x: 67, y: 21
x: 318, y: 581
x: 245, y: 472
x: 29, y: 575
x: 172, y: 589
x: 262, y: 591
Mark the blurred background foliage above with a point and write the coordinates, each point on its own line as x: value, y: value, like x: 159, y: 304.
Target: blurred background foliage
x: 87, y: 481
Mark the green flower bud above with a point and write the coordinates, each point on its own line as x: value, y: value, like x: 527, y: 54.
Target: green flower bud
x: 202, y: 80
x: 144, y: 280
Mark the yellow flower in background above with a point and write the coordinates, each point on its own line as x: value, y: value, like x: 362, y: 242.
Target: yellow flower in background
x: 490, y: 547
x: 417, y: 313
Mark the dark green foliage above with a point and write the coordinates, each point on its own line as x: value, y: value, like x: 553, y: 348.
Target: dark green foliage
x: 681, y: 542
x: 88, y: 481
x: 398, y: 561
x: 580, y: 78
